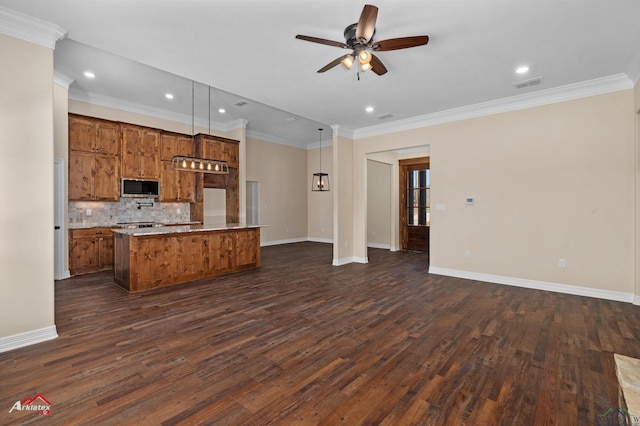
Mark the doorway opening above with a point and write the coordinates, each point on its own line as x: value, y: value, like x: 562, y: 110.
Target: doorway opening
x: 415, y: 195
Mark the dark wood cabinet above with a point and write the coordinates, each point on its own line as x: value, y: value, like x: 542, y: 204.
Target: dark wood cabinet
x: 90, y: 250
x: 140, y: 152
x: 177, y: 186
x: 94, y: 148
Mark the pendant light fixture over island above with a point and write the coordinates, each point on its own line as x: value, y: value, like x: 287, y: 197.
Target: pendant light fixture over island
x: 320, y: 181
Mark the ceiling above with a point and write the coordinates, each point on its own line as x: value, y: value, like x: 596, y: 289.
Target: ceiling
x: 246, y: 50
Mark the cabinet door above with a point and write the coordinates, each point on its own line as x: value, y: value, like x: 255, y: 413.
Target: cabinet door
x: 83, y: 254
x: 189, y: 259
x: 154, y: 265
x: 168, y: 183
x: 149, y: 166
x: 81, y: 175
x: 107, y: 185
x: 187, y: 187
x: 105, y: 250
x: 212, y: 150
x: 107, y: 137
x: 168, y: 146
x: 151, y: 142
x: 184, y: 146
x: 131, y: 139
x: 81, y: 134
x: 230, y: 154
x: 216, y: 253
x: 245, y: 243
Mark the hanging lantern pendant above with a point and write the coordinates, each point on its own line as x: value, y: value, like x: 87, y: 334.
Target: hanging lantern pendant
x: 320, y: 181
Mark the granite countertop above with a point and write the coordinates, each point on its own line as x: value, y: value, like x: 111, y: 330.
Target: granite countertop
x: 120, y: 225
x: 164, y: 230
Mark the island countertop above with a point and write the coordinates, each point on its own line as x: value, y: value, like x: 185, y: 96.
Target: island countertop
x: 181, y: 229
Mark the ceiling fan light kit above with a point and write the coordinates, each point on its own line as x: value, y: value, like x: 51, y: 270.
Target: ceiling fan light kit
x: 359, y: 38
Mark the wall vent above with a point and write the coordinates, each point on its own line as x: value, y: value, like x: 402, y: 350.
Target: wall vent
x: 384, y: 116
x: 526, y: 83
x: 240, y: 104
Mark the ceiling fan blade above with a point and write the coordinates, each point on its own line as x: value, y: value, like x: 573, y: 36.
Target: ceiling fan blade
x: 377, y: 66
x: 399, y: 43
x: 322, y: 41
x: 367, y: 23
x: 332, y: 64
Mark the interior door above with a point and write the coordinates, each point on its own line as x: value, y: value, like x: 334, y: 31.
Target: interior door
x: 415, y: 190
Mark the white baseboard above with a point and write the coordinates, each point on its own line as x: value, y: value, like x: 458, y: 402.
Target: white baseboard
x: 320, y: 240
x: 346, y: 260
x: 278, y: 242
x: 636, y: 299
x: 379, y: 246
x: 27, y: 338
x: 537, y: 285
x: 65, y: 274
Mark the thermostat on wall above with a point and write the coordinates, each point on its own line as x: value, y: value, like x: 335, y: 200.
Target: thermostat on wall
x: 469, y: 200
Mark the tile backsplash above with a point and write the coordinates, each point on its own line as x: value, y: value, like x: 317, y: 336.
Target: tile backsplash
x: 127, y: 210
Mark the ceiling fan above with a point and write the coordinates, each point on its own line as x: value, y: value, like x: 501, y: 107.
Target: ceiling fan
x: 359, y: 38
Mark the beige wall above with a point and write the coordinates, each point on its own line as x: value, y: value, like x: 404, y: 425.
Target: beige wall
x: 551, y: 182
x: 379, y: 204
x: 279, y: 171
x: 26, y: 135
x: 343, y: 192
x: 320, y: 204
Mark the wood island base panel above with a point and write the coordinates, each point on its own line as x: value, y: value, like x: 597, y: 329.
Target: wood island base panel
x: 145, y: 259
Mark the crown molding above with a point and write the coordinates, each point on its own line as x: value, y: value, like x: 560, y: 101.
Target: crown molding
x: 109, y: 102
x: 569, y: 92
x: 634, y: 69
x: 62, y: 79
x: 28, y: 28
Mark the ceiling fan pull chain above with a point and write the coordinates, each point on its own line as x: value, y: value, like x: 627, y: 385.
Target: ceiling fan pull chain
x: 358, y: 74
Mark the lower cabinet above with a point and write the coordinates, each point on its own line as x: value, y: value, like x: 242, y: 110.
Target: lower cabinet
x: 90, y: 250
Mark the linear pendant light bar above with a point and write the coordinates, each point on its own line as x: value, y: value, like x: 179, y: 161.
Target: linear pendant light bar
x: 203, y: 165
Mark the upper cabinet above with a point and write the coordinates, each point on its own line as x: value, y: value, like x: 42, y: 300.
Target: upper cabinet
x: 175, y: 144
x: 140, y: 152
x: 217, y: 148
x: 93, y: 135
x: 94, y: 148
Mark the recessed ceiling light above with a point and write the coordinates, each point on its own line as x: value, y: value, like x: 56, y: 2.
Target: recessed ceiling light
x: 222, y: 111
x: 522, y: 70
x: 89, y: 74
x: 369, y: 109
x: 168, y: 95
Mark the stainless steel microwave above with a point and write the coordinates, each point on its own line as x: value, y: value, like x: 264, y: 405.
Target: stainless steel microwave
x: 141, y: 188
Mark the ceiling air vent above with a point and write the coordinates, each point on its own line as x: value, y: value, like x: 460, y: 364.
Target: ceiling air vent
x: 240, y: 104
x: 384, y: 116
x: 526, y: 83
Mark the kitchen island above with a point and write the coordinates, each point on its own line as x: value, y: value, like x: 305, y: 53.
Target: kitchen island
x: 149, y: 258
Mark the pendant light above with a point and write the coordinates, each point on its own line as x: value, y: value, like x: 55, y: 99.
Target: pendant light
x: 195, y: 164
x: 320, y: 181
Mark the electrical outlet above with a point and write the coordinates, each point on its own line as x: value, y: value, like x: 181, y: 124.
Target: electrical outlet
x: 562, y: 263
x: 89, y: 212
x: 179, y: 211
x: 467, y: 253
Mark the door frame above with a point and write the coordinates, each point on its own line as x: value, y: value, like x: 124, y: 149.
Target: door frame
x: 404, y: 167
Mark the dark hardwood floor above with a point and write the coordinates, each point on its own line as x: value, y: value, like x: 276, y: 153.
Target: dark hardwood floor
x: 302, y: 342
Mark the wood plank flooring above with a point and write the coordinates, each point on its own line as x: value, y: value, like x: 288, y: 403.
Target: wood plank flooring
x: 301, y: 342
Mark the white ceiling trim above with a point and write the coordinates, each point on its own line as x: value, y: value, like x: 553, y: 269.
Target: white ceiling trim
x: 584, y: 89
x: 62, y: 80
x: 28, y: 28
x: 271, y: 138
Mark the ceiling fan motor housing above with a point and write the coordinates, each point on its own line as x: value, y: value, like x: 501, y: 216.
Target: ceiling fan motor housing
x: 352, y: 41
